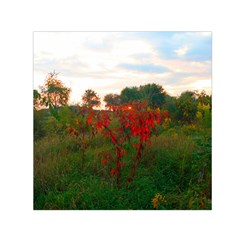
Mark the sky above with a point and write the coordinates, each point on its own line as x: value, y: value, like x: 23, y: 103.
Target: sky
x: 107, y: 62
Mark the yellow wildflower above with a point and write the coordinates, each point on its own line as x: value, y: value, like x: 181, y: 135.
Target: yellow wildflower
x: 157, y: 200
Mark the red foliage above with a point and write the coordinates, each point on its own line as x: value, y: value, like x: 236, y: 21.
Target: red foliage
x: 103, y: 120
x: 134, y: 121
x: 112, y: 172
x: 89, y: 120
x: 113, y: 138
x: 104, y: 162
x: 72, y: 131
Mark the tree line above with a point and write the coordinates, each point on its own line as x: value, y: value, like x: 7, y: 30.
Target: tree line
x: 53, y: 95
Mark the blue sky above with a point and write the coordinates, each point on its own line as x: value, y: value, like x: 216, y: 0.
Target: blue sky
x: 109, y: 61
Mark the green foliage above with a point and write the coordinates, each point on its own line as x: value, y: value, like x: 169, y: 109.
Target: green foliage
x: 66, y: 115
x: 153, y: 93
x: 52, y: 126
x: 130, y: 94
x: 91, y: 99
x: 204, y: 114
x: 170, y: 104
x: 203, y: 98
x: 39, y: 118
x: 36, y: 94
x: 112, y: 100
x: 36, y: 99
x: 177, y: 165
x: 187, y: 107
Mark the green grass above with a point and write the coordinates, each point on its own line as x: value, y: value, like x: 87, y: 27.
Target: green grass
x: 177, y: 165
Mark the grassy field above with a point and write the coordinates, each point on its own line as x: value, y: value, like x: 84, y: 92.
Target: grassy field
x: 173, y: 173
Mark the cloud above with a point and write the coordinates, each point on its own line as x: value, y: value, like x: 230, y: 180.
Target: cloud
x: 196, y: 44
x: 109, y: 61
x: 182, y: 51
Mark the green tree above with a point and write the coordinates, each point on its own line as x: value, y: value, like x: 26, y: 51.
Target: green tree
x: 36, y: 100
x: 187, y: 107
x: 91, y: 99
x: 112, y: 100
x: 203, y: 98
x: 153, y: 93
x: 170, y: 105
x: 130, y: 94
x: 204, y: 113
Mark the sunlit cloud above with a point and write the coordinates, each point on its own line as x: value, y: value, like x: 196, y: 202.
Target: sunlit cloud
x: 107, y: 62
x: 182, y: 51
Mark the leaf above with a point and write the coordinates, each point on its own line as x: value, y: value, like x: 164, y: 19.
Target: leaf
x: 112, y: 172
x: 104, y: 162
x: 89, y: 120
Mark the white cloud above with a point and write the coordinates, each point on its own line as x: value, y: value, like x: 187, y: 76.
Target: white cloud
x: 91, y: 60
x: 182, y: 51
x: 202, y: 84
x: 176, y: 90
x: 205, y: 34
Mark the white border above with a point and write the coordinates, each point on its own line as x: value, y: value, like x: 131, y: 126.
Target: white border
x: 18, y: 20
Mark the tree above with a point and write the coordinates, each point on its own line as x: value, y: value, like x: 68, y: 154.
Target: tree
x: 54, y: 93
x: 112, y: 100
x: 203, y: 98
x: 204, y: 107
x: 187, y: 107
x: 130, y: 94
x: 170, y: 105
x: 91, y: 99
x: 153, y: 93
x: 36, y: 100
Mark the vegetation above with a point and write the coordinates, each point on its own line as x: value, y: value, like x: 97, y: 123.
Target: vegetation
x: 54, y: 93
x: 112, y: 100
x: 91, y: 99
x: 153, y: 152
x: 153, y: 93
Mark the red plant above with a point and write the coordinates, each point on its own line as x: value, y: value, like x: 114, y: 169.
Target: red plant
x: 79, y: 129
x: 134, y: 120
x: 89, y: 120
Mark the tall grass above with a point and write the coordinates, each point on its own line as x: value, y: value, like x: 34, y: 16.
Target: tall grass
x: 177, y: 165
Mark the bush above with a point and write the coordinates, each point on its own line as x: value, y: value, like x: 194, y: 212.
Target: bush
x: 39, y: 118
